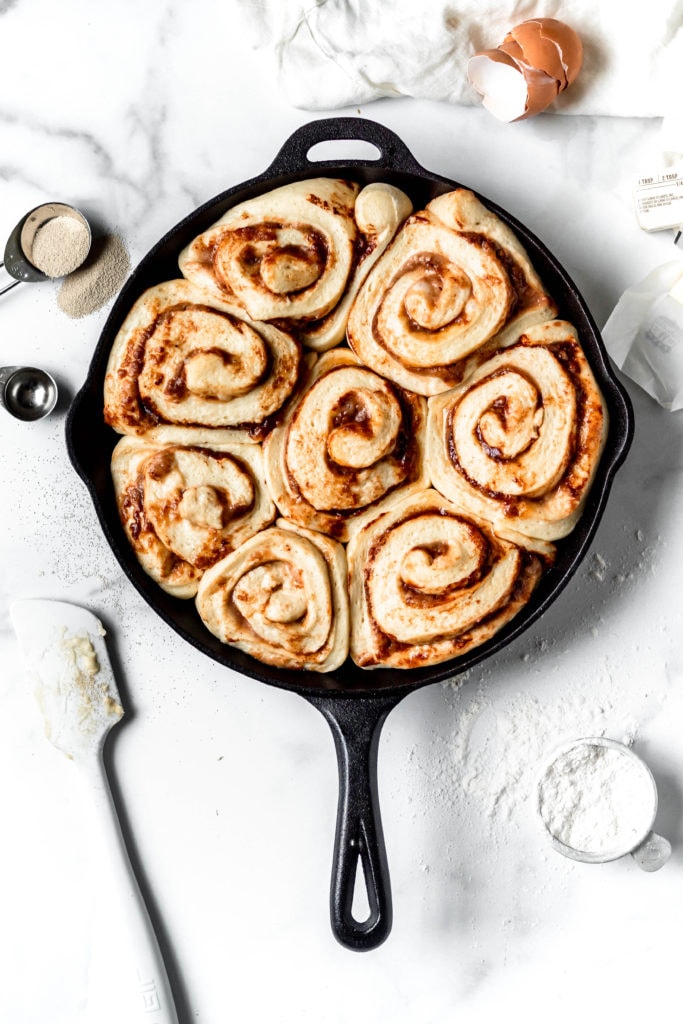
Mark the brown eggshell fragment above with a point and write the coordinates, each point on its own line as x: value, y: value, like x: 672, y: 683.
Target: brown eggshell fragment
x: 545, y: 51
x: 542, y: 91
x: 500, y: 97
x: 550, y: 46
x: 543, y: 88
x: 501, y: 83
x: 512, y: 48
x: 497, y: 56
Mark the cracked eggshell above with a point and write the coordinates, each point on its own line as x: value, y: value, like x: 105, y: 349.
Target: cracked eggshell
x: 542, y: 88
x: 550, y: 46
x: 500, y: 82
x: 547, y: 55
x: 510, y: 90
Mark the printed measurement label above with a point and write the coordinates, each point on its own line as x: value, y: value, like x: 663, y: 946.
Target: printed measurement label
x: 659, y: 200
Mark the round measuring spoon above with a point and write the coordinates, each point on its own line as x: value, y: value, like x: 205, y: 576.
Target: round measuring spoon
x: 27, y: 392
x: 598, y: 801
x: 19, y: 247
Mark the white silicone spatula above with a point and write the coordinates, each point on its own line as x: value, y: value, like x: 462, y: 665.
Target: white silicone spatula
x: 64, y: 649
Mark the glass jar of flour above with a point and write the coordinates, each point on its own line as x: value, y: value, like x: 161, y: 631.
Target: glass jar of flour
x: 598, y: 801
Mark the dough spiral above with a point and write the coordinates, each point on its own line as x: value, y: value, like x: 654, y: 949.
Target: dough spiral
x: 297, y: 254
x: 451, y: 288
x: 282, y: 598
x: 345, y: 447
x: 520, y: 440
x: 185, y: 508
x: 184, y: 366
x: 429, y: 582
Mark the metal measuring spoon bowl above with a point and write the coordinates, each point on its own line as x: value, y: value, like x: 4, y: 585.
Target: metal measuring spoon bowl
x: 27, y: 392
x: 597, y: 801
x: 19, y: 248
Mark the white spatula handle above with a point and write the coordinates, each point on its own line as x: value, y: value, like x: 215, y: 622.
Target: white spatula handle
x: 155, y: 999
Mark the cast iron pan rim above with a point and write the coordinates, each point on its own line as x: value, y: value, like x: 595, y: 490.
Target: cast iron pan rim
x: 282, y: 169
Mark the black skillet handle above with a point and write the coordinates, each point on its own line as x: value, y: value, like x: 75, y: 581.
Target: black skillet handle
x: 356, y: 725
x: 293, y: 157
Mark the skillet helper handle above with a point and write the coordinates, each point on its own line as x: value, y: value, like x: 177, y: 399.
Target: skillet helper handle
x: 393, y: 155
x: 356, y: 727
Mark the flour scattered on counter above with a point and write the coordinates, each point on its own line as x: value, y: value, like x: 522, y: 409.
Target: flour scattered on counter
x: 640, y: 561
x: 498, y: 745
x: 598, y: 567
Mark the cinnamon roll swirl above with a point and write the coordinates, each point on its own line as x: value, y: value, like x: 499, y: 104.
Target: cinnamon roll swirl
x: 453, y: 286
x: 184, y: 508
x: 282, y: 598
x: 297, y: 254
x: 429, y: 582
x: 345, y: 447
x: 519, y: 441
x: 184, y: 365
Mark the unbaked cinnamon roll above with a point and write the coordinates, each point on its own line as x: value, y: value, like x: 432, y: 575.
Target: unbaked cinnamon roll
x: 519, y: 441
x: 453, y: 286
x: 429, y: 582
x: 297, y: 254
x: 282, y: 598
x: 345, y: 447
x: 184, y: 365
x: 184, y: 508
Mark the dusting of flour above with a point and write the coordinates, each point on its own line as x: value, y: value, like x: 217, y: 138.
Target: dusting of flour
x: 499, y: 744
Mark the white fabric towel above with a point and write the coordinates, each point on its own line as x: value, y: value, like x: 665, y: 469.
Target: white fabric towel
x: 340, y: 53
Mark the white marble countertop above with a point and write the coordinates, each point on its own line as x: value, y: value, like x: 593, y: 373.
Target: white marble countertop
x: 228, y: 787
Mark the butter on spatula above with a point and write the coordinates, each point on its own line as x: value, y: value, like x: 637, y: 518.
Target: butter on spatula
x: 64, y: 649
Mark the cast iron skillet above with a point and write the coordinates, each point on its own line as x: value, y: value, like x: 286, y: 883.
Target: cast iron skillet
x: 355, y: 702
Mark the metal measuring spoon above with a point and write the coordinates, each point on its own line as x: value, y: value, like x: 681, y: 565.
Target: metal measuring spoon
x: 27, y: 392
x: 649, y: 850
x: 18, y: 251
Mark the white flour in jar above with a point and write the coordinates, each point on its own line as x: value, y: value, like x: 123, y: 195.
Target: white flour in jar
x: 596, y: 799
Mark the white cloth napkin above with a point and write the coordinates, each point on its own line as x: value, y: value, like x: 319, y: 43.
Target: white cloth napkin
x: 339, y: 53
